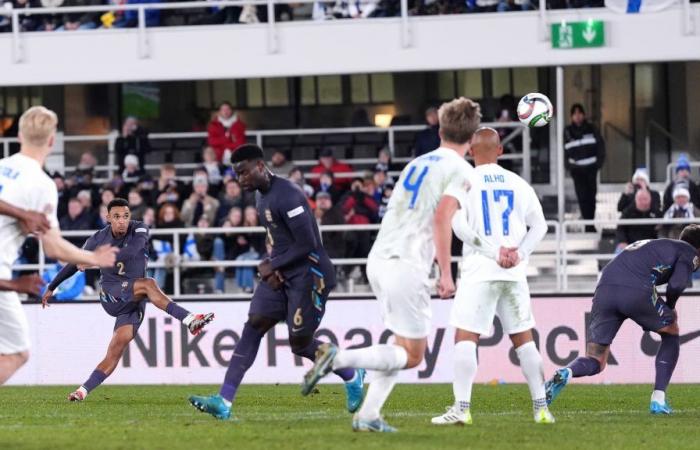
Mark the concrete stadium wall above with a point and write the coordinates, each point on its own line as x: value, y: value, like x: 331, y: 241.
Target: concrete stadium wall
x: 352, y: 46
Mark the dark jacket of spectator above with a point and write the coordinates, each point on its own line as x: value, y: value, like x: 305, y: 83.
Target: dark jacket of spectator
x: 627, y: 234
x: 583, y: 146
x: 225, y: 134
x: 640, y: 180
x: 133, y: 141
x: 427, y: 140
x: 82, y: 18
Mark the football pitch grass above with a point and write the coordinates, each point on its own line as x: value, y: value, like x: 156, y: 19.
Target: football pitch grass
x: 159, y: 417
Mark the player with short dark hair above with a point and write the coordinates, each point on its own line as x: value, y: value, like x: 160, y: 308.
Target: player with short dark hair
x: 125, y: 289
x: 627, y: 290
x: 296, y: 280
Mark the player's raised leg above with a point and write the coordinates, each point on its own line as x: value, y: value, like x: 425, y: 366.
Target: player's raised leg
x: 120, y: 340
x: 147, y: 288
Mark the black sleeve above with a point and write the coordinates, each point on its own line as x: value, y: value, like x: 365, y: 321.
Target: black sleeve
x: 624, y: 202
x: 62, y: 275
x: 668, y: 197
x: 600, y: 150
x: 298, y: 220
x: 680, y: 279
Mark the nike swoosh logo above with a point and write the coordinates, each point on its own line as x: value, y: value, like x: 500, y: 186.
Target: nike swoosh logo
x: 650, y: 346
x: 294, y: 330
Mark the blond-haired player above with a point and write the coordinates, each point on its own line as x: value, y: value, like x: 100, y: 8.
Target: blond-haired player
x: 504, y: 209
x: 415, y: 231
x: 25, y: 185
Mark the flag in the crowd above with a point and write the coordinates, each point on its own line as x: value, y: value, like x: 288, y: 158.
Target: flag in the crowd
x: 639, y: 6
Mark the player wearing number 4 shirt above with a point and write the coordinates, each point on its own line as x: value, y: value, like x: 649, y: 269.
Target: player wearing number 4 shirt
x: 125, y: 289
x: 415, y: 231
x: 295, y: 282
x: 503, y: 208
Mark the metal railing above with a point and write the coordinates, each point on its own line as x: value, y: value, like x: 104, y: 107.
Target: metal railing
x: 520, y: 131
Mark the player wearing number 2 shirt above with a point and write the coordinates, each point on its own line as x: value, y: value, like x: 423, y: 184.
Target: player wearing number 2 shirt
x: 415, y: 228
x: 124, y: 289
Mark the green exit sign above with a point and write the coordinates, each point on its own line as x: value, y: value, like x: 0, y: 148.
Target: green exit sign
x: 590, y: 33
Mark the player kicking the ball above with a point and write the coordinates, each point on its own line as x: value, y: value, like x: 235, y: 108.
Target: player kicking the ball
x: 627, y: 290
x: 296, y: 281
x: 415, y: 231
x: 505, y: 209
x: 125, y: 290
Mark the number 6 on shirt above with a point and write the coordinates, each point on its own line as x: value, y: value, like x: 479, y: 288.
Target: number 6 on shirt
x: 497, y: 194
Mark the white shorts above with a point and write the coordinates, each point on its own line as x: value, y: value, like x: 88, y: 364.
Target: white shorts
x: 14, y: 328
x: 403, y: 292
x: 475, y: 305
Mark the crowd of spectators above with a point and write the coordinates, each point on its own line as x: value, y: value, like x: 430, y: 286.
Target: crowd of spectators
x: 211, y: 197
x: 208, y: 15
x: 640, y: 201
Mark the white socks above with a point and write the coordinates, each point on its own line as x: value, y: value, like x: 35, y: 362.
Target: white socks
x: 379, y: 389
x: 465, y: 371
x: 83, y: 391
x: 377, y: 357
x: 187, y: 320
x: 531, y: 365
x: 658, y: 396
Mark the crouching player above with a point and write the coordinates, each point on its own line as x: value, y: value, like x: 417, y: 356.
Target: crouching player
x: 125, y: 290
x: 627, y: 290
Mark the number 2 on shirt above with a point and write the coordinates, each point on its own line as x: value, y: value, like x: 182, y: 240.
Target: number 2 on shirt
x: 414, y: 186
x: 497, y: 194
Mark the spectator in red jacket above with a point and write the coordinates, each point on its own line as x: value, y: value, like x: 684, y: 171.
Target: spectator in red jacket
x: 328, y: 163
x: 226, y: 132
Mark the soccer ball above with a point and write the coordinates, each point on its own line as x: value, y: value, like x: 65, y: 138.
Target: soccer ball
x: 535, y: 110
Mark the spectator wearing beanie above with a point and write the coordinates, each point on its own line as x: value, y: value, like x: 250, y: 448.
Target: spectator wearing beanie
x: 682, y: 208
x: 640, y: 180
x: 681, y: 179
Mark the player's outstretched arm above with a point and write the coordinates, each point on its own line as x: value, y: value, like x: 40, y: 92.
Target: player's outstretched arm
x: 66, y: 272
x: 58, y: 248
x: 31, y: 222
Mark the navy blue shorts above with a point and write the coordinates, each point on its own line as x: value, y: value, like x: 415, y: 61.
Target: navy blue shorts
x: 612, y: 305
x: 301, y: 302
x: 118, y: 301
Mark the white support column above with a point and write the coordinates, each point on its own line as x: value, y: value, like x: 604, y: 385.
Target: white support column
x: 561, y: 192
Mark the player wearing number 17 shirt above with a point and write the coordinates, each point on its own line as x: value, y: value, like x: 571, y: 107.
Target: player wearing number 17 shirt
x: 505, y: 209
x: 415, y: 231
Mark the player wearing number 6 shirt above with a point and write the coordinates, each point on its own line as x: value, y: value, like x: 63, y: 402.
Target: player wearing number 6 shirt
x: 415, y: 230
x: 124, y: 289
x: 28, y: 190
x: 505, y: 209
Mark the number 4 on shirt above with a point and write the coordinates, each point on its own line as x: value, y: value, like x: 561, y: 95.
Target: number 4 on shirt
x: 497, y: 194
x: 414, y: 186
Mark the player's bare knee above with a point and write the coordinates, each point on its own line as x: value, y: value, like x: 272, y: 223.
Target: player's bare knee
x: 415, y: 357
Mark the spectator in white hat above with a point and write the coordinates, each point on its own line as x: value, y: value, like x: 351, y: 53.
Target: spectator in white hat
x: 682, y: 208
x: 640, y: 180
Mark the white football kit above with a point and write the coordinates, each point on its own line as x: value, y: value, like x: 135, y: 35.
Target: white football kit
x: 23, y: 183
x: 501, y: 207
x: 399, y: 263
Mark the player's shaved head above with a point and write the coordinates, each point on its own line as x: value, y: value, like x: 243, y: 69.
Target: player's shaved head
x: 486, y: 146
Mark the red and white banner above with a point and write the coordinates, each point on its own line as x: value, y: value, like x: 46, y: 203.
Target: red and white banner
x: 69, y: 340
